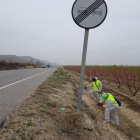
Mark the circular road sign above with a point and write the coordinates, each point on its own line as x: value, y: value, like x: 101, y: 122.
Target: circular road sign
x: 89, y: 14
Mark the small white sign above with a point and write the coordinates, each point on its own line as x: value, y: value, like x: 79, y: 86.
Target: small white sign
x: 89, y: 13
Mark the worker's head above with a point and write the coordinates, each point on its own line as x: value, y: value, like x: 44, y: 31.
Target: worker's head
x: 94, y: 79
x: 104, y: 96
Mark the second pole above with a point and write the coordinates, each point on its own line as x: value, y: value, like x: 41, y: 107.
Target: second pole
x: 82, y: 69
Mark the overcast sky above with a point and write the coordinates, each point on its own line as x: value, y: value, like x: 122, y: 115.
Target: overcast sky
x: 45, y: 29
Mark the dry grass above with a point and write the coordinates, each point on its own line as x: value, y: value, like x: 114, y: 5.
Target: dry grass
x: 71, y: 123
x: 73, y: 119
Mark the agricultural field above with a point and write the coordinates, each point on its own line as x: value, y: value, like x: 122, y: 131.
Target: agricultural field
x: 122, y: 78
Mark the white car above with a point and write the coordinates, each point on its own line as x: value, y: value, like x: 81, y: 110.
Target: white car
x: 43, y: 66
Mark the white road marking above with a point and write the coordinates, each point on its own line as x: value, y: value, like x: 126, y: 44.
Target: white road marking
x: 22, y: 80
x: 5, y: 73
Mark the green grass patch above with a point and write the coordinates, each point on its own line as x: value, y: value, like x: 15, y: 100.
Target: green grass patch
x: 50, y: 113
x: 14, y: 139
x: 28, y: 115
x: 74, y: 106
x: 75, y: 99
x: 29, y: 123
x: 5, y: 127
x: 57, y: 79
x: 52, y: 104
x: 38, y: 132
x: 12, y: 122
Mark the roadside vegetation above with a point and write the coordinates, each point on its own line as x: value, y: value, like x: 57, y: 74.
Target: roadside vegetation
x: 9, y: 65
x: 51, y: 114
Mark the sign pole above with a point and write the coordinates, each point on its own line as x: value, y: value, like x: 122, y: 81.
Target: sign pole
x: 82, y: 70
x: 87, y: 14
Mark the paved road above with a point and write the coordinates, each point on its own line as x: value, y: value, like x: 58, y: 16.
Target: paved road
x: 17, y: 85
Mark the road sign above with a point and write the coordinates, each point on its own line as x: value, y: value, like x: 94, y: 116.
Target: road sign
x: 89, y: 14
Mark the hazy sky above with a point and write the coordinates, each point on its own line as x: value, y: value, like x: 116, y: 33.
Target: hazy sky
x: 45, y: 29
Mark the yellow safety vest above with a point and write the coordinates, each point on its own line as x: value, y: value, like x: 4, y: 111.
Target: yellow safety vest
x: 96, y: 85
x: 110, y: 97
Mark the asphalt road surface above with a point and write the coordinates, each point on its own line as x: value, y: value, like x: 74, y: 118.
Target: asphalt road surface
x: 17, y: 85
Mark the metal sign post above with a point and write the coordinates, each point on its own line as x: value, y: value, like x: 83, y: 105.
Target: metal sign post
x: 82, y: 69
x: 87, y: 14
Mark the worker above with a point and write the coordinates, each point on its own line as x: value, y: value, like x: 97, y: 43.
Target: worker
x: 97, y: 88
x: 111, y: 105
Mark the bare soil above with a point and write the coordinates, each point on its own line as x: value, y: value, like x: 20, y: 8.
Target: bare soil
x: 51, y: 114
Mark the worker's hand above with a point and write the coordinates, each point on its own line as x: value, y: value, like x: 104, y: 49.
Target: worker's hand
x: 102, y: 104
x: 99, y: 104
x: 85, y: 87
x: 99, y: 92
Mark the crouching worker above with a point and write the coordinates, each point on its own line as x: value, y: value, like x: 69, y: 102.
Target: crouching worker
x: 111, y: 105
x: 97, y: 88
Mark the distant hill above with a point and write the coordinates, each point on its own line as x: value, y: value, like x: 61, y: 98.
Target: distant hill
x: 26, y: 59
x: 12, y: 58
x: 33, y: 60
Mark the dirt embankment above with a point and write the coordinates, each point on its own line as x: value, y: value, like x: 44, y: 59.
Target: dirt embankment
x: 51, y: 114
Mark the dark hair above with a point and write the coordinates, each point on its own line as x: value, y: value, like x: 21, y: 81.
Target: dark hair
x: 93, y: 79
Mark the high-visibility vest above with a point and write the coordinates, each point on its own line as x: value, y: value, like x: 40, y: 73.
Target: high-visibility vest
x: 96, y: 85
x: 110, y: 97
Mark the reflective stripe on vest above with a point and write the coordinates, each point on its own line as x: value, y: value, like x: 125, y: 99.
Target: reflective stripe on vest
x: 110, y: 97
x: 96, y: 86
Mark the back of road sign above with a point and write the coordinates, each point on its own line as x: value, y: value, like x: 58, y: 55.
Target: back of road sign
x: 89, y: 14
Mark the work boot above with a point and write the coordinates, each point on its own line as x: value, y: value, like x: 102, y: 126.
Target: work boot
x: 105, y: 121
x: 115, y: 124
